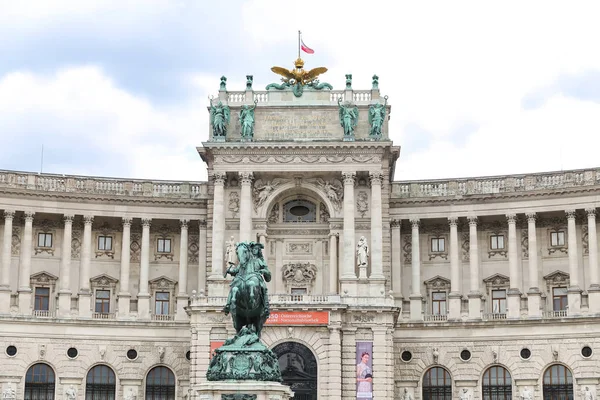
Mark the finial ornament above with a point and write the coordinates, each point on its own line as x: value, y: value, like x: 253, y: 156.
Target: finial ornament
x: 375, y: 82
x: 249, y: 79
x: 348, y: 81
x: 223, y: 85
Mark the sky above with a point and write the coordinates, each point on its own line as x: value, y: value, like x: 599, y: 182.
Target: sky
x: 119, y: 88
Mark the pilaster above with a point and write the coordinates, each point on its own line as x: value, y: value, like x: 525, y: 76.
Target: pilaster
x: 416, y: 299
x: 124, y: 294
x: 348, y: 363
x: 217, y: 282
x: 574, y: 290
x: 514, y: 294
x: 6, y: 262
x: 64, y: 294
x: 455, y: 296
x: 143, y: 295
x: 534, y: 295
x: 349, y: 279
x: 475, y: 294
x: 85, y: 296
x: 25, y: 265
x: 182, y: 295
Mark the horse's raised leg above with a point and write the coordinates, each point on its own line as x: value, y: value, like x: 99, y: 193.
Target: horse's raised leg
x: 234, y: 295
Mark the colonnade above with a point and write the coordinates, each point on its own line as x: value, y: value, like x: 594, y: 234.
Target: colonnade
x: 514, y: 292
x: 347, y: 276
x: 85, y: 294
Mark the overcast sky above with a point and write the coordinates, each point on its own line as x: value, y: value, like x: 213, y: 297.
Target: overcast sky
x: 119, y: 88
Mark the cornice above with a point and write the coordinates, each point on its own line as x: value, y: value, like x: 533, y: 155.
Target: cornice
x: 294, y: 147
x: 14, y: 192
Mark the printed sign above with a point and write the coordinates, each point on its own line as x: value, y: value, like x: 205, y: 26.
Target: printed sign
x: 298, y: 318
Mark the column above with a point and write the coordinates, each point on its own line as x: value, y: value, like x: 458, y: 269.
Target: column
x: 474, y: 282
x: 85, y: 296
x: 534, y: 295
x: 262, y: 239
x: 334, y: 359
x: 333, y: 263
x: 143, y: 294
x: 348, y: 362
x: 396, y: 258
x: 124, y: 294
x: 514, y: 294
x: 349, y: 264
x: 455, y: 295
x: 202, y: 234
x: 416, y: 299
x: 276, y: 269
x: 594, y: 289
x: 25, y: 265
x: 383, y: 353
x: 5, y: 290
x: 574, y: 291
x: 246, y: 206
x: 217, y: 288
x: 64, y: 294
x: 182, y: 296
x: 376, y: 250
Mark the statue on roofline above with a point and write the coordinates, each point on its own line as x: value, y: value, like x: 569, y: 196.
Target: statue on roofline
x: 219, y: 118
x: 348, y: 117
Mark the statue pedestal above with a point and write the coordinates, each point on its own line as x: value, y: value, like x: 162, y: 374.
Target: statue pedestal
x: 243, y: 390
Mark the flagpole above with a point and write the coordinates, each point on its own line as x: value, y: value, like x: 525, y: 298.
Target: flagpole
x: 299, y: 33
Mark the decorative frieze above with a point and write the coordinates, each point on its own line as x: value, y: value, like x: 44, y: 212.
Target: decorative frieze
x: 300, y: 274
x: 234, y: 203
x: 299, y: 248
x: 193, y: 248
x: 362, y: 203
x: 263, y: 189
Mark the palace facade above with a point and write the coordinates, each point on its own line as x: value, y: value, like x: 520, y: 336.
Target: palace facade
x: 477, y: 288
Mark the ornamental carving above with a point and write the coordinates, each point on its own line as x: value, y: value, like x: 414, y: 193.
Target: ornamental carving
x: 585, y: 239
x: 364, y: 318
x: 76, y: 245
x: 135, y: 248
x: 497, y: 280
x: 193, y: 248
x: 15, y: 241
x: 263, y: 189
x: 299, y: 248
x: 466, y: 247
x: 103, y: 281
x: 362, y: 203
x: 45, y: 225
x: 525, y: 243
x: 437, y: 283
x: 300, y: 159
x: 407, y: 248
x: 234, y: 203
x: 162, y: 283
x: 332, y: 189
x: 557, y: 278
x: 323, y: 214
x: 301, y: 274
x: 274, y: 214
x: 315, y: 232
x: 43, y: 278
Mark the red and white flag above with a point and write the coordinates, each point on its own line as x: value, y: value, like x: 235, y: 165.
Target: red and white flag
x: 305, y: 48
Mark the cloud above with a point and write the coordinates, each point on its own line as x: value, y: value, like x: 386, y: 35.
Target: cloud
x: 89, y: 125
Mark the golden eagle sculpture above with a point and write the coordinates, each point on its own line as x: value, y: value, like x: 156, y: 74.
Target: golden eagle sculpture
x: 298, y: 79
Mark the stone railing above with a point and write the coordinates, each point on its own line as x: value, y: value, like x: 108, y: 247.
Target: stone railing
x: 497, y: 184
x: 98, y: 315
x: 493, y: 316
x: 359, y: 97
x: 163, y: 317
x: 435, y: 317
x: 305, y: 299
x: 43, y: 314
x: 110, y: 186
x: 555, y: 314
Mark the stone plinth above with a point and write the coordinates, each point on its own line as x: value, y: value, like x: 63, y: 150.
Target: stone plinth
x: 243, y: 390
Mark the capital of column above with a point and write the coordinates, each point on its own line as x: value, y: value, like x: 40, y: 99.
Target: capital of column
x: 146, y: 222
x: 570, y: 214
x: 349, y: 178
x: 511, y: 218
x: 376, y: 177
x: 472, y: 220
x: 9, y: 214
x: 88, y: 219
x: 396, y: 223
x: 68, y: 218
x: 453, y: 221
x: 126, y: 221
x: 415, y: 222
x: 183, y: 223
x: 29, y: 216
x: 531, y: 216
x: 591, y: 212
x: 218, y: 177
x: 202, y: 223
x: 246, y: 178
x: 336, y: 234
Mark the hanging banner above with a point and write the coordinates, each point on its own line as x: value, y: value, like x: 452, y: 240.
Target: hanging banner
x: 298, y: 318
x: 364, y: 370
x: 215, y: 345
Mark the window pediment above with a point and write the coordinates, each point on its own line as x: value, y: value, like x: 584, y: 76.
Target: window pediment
x: 497, y: 280
x: 104, y: 281
x: 163, y: 283
x: 557, y: 278
x: 43, y: 278
x: 437, y: 283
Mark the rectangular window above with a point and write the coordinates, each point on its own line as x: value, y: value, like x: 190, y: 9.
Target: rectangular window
x: 499, y: 301
x: 559, y: 298
x: 161, y: 303
x: 42, y: 299
x: 497, y: 242
x: 438, y: 303
x: 557, y: 238
x: 103, y: 301
x: 438, y: 245
x: 105, y: 243
x: 44, y: 239
x: 163, y: 245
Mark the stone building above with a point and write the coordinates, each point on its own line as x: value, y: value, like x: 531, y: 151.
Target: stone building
x: 473, y: 288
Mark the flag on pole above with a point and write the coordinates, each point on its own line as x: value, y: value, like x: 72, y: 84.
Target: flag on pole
x: 305, y: 48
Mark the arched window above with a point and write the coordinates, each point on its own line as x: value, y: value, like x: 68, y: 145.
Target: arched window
x: 39, y: 383
x: 160, y: 384
x: 437, y: 384
x: 100, y: 383
x: 497, y: 384
x: 558, y: 383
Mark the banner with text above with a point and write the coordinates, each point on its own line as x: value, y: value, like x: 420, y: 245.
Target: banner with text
x: 298, y: 318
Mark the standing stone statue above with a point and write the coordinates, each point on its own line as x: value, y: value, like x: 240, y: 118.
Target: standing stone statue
x: 244, y: 356
x: 230, y: 256
x: 586, y: 394
x: 130, y: 395
x: 362, y: 252
x: 71, y: 393
x: 377, y: 118
x: 219, y: 118
x: 9, y: 393
x: 406, y: 395
x: 247, y: 120
x: 526, y: 394
x: 348, y: 117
